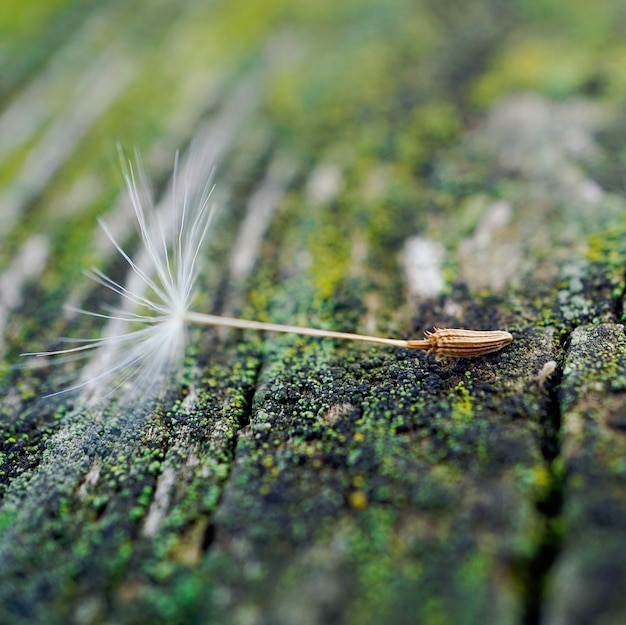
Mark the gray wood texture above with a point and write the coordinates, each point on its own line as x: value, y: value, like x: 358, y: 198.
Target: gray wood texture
x: 383, y: 168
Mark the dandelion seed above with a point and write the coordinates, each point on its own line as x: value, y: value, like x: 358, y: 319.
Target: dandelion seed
x: 143, y: 351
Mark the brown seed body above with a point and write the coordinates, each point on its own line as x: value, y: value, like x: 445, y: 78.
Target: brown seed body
x: 459, y: 343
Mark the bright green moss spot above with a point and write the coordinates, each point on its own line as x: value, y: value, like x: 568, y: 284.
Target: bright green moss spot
x: 555, y: 68
x: 21, y: 22
x: 608, y: 248
x: 435, y: 611
x: 6, y: 519
x: 461, y: 403
x: 330, y: 250
x: 428, y: 128
x: 474, y: 571
x: 146, y: 496
x: 136, y: 513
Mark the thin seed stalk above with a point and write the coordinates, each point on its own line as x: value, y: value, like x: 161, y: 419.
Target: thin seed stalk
x: 245, y: 324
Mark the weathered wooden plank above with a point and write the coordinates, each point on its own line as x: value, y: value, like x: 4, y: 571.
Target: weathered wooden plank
x: 380, y: 173
x: 590, y: 576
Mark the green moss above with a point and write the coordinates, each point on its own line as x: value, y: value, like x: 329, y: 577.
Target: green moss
x: 24, y: 23
x: 560, y: 50
x: 607, y: 248
x: 395, y: 469
x: 28, y: 32
x: 6, y: 519
x: 462, y: 403
x: 392, y: 555
x: 327, y: 97
x: 429, y: 128
x: 330, y: 250
x: 557, y: 68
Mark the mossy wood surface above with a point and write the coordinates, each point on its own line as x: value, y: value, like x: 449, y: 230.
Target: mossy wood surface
x: 382, y: 167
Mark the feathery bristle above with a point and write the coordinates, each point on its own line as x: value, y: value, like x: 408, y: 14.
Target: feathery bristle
x: 143, y: 344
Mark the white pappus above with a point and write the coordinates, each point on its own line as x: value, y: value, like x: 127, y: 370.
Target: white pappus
x: 143, y: 343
